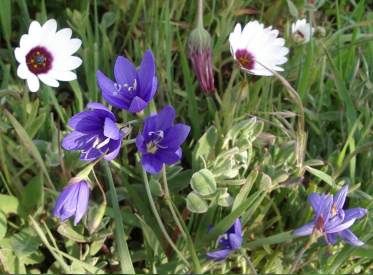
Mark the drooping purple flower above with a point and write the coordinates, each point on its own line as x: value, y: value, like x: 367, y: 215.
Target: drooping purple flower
x: 200, y: 54
x: 95, y: 133
x: 331, y: 220
x: 73, y: 201
x: 228, y: 243
x: 133, y: 88
x: 160, y: 140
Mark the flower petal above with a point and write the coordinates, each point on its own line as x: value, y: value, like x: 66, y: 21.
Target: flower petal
x: 20, y: 55
x: 355, y: 213
x: 235, y: 241
x: 305, y: 229
x: 350, y: 238
x: 110, y: 93
x: 137, y: 105
x: 151, y: 164
x: 146, y: 73
x: 33, y: 83
x: 124, y: 71
x: 82, y: 204
x: 110, y: 129
x: 168, y: 157
x: 114, y: 148
x: 219, y: 255
x: 340, y: 197
x: 46, y: 79
x: 175, y: 136
x: 75, y: 141
x: 23, y: 72
x: 334, y: 228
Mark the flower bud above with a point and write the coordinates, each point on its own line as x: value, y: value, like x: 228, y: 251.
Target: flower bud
x: 200, y: 54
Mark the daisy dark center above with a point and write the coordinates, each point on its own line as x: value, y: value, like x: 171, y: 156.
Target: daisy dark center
x: 39, y: 60
x: 153, y: 145
x: 245, y: 59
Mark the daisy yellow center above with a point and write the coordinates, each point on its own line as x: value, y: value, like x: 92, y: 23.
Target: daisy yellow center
x: 245, y: 59
x: 39, y: 60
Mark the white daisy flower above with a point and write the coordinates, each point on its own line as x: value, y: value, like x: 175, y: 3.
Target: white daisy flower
x: 256, y: 45
x: 46, y: 54
x: 301, y: 31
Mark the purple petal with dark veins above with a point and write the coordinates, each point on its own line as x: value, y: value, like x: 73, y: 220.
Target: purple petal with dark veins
x: 110, y: 129
x: 146, y: 73
x: 175, y: 136
x: 340, y: 197
x: 137, y: 105
x: 82, y: 203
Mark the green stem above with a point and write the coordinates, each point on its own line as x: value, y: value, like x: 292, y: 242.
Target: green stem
x: 159, y: 220
x: 44, y: 240
x: 200, y: 14
x: 180, y: 223
x: 294, y: 267
x: 123, y: 252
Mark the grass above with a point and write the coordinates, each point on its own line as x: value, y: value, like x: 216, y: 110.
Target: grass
x: 255, y: 162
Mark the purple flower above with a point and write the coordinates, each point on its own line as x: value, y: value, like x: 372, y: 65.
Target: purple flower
x: 95, y: 133
x: 132, y: 89
x: 228, y: 243
x: 331, y: 220
x: 73, y: 201
x: 160, y: 140
x: 200, y: 56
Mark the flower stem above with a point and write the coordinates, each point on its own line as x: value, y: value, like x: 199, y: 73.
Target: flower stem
x: 159, y: 220
x: 294, y: 267
x: 200, y: 14
x: 180, y: 223
x: 123, y: 252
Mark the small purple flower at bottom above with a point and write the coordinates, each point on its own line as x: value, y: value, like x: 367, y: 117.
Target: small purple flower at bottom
x: 160, y: 140
x: 133, y: 88
x: 95, y: 133
x: 73, y: 201
x: 331, y: 220
x: 228, y: 243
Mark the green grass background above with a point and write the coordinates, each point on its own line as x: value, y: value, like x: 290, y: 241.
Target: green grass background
x: 332, y: 75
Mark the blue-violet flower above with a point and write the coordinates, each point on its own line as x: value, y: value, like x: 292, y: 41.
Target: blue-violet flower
x: 229, y: 242
x: 73, y: 201
x: 160, y: 140
x: 331, y: 220
x: 95, y: 133
x: 132, y: 89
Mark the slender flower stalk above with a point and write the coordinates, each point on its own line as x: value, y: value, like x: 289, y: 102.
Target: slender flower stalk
x: 120, y: 237
x: 159, y: 220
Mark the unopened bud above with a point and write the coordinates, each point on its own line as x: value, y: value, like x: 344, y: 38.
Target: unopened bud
x: 200, y: 54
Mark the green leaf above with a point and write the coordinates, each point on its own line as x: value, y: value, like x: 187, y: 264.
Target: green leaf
x: 321, y: 175
x: 33, y: 196
x: 245, y: 190
x: 5, y: 17
x: 206, y: 145
x: 195, y: 203
x: 274, y: 239
x: 9, y: 204
x: 3, y: 225
x: 203, y: 182
x: 67, y: 231
x: 29, y: 145
x: 292, y: 9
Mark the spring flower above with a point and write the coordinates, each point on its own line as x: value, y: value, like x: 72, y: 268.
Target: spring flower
x: 331, y: 220
x: 47, y: 54
x: 255, y: 46
x: 228, y: 243
x: 132, y: 89
x: 73, y: 201
x: 301, y: 31
x: 200, y: 56
x: 160, y: 140
x: 95, y: 133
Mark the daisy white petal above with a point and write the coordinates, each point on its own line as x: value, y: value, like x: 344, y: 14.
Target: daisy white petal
x: 33, y: 83
x: 63, y: 75
x: 22, y: 71
x: 68, y: 63
x: 48, y: 80
x: 20, y: 55
x: 257, y: 48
